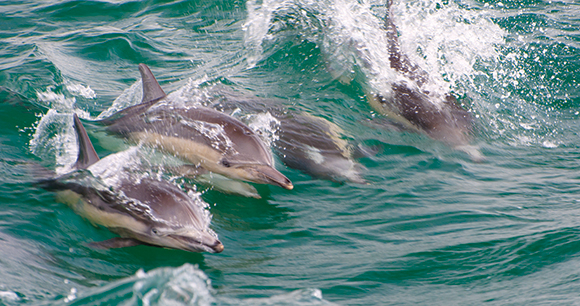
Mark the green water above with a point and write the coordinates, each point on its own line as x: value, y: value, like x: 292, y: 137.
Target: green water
x: 432, y: 226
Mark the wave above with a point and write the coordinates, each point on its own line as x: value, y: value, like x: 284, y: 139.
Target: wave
x: 352, y: 34
x: 502, y: 61
x: 184, y: 285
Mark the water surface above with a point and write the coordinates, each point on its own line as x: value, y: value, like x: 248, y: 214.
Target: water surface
x: 431, y: 227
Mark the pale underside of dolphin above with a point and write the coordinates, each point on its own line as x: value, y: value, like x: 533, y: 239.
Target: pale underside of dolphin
x: 417, y: 109
x: 142, y: 211
x: 205, y: 138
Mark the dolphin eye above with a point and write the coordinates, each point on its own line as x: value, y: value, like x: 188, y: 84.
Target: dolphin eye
x: 155, y: 231
x: 226, y: 163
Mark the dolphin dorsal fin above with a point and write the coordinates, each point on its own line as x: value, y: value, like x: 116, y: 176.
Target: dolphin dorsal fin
x: 87, y: 154
x: 151, y: 89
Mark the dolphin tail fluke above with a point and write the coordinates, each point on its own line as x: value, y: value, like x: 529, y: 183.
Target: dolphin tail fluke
x: 115, y: 243
x: 151, y: 89
x: 87, y: 154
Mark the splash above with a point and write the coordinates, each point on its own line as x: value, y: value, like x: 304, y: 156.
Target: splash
x: 258, y: 24
x: 500, y: 77
x: 9, y: 297
x: 55, y: 139
x: 113, y: 168
x: 56, y: 100
x: 130, y: 96
x: 265, y: 125
x: 191, y: 94
x: 184, y: 285
x: 448, y: 41
x: 215, y: 133
x: 83, y: 91
x: 444, y: 39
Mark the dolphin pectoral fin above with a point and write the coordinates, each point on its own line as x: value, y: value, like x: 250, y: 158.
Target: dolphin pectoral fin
x: 115, y: 243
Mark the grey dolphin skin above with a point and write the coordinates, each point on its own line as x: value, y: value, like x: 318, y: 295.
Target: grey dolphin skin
x: 305, y: 142
x: 144, y: 211
x: 438, y: 116
x: 204, y: 137
x: 314, y: 145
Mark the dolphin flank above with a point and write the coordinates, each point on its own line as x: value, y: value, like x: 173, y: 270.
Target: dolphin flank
x: 203, y: 137
x: 142, y: 211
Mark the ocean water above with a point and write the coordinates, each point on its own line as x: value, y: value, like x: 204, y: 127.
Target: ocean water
x: 431, y: 226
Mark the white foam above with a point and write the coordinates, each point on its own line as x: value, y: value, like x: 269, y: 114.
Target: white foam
x: 55, y: 139
x: 190, y: 95
x: 83, y: 91
x: 265, y: 125
x: 186, y: 285
x: 55, y: 100
x: 130, y: 96
x: 115, y: 167
x: 9, y: 296
x: 447, y: 41
x: 71, y: 296
x: 258, y: 24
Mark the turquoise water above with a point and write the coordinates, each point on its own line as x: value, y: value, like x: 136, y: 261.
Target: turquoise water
x: 432, y: 226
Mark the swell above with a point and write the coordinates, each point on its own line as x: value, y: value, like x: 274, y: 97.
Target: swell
x: 431, y: 226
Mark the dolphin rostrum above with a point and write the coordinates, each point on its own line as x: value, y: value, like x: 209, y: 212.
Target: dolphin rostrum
x: 409, y: 103
x: 204, y: 137
x: 141, y: 210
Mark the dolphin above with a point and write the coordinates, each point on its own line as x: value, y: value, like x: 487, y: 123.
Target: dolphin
x: 205, y: 138
x: 303, y: 141
x: 414, y: 107
x: 314, y: 145
x: 142, y: 211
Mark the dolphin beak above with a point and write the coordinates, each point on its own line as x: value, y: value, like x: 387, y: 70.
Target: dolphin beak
x: 273, y: 176
x: 218, y: 248
x: 206, y: 244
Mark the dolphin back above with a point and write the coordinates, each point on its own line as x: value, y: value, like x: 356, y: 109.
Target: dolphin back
x: 400, y: 62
